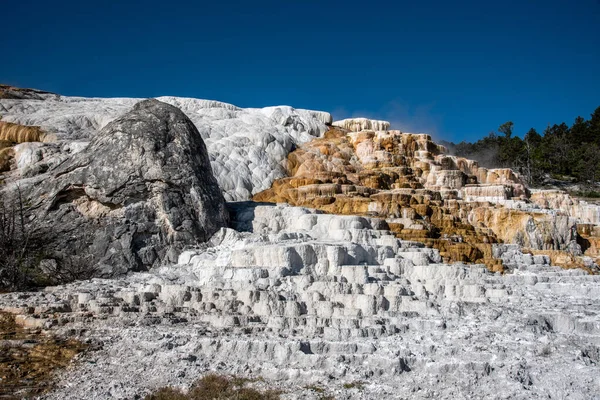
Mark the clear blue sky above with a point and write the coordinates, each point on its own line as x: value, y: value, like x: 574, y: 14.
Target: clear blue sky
x: 456, y: 69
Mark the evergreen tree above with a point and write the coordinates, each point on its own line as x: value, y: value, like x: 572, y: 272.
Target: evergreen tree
x: 579, y: 132
x: 562, y: 150
x: 557, y: 147
x: 533, y: 157
x: 506, y: 129
x: 588, y: 165
x: 594, y: 126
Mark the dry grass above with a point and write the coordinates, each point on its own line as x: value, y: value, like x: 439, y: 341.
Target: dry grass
x: 315, y: 388
x: 354, y: 385
x: 29, y: 359
x: 167, y: 394
x: 216, y: 387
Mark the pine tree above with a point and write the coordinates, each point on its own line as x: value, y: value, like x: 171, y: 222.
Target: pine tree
x: 594, y: 126
x: 533, y: 151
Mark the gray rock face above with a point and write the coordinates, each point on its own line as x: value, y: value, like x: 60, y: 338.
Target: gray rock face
x: 14, y: 93
x: 140, y: 192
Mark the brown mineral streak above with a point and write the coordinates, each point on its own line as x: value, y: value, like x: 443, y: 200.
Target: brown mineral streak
x: 424, y: 194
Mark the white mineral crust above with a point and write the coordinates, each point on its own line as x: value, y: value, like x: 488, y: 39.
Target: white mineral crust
x: 302, y: 298
x: 247, y: 146
x: 361, y: 124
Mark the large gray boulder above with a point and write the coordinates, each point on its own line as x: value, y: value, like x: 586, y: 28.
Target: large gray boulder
x: 134, y: 198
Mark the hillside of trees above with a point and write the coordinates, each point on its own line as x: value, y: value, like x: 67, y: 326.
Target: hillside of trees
x: 562, y: 152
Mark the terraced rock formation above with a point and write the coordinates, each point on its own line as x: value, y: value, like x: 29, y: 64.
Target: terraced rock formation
x: 359, y: 287
x: 246, y: 146
x: 424, y: 194
x: 15, y: 140
x: 308, y: 299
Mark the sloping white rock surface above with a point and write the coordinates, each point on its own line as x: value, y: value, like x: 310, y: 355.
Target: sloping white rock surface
x: 246, y: 146
x: 362, y: 124
x: 307, y: 298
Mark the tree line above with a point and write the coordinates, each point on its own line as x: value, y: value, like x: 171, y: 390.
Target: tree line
x: 561, y: 152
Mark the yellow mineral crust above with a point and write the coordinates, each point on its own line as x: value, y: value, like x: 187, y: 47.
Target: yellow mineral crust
x: 424, y: 194
x: 17, y: 133
x: 12, y: 134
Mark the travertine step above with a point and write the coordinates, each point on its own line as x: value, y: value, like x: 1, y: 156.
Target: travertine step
x: 304, y: 305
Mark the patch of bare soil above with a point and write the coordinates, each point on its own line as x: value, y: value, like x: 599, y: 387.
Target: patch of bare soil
x: 30, y: 359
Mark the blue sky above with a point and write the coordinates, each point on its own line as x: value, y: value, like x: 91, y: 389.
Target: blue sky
x: 455, y: 69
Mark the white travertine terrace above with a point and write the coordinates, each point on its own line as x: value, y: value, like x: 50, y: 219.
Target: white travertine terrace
x: 302, y: 298
x: 247, y: 146
x: 315, y: 299
x: 361, y: 124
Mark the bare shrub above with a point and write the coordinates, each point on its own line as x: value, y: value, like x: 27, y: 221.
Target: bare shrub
x: 64, y: 269
x: 18, y: 252
x: 25, y: 260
